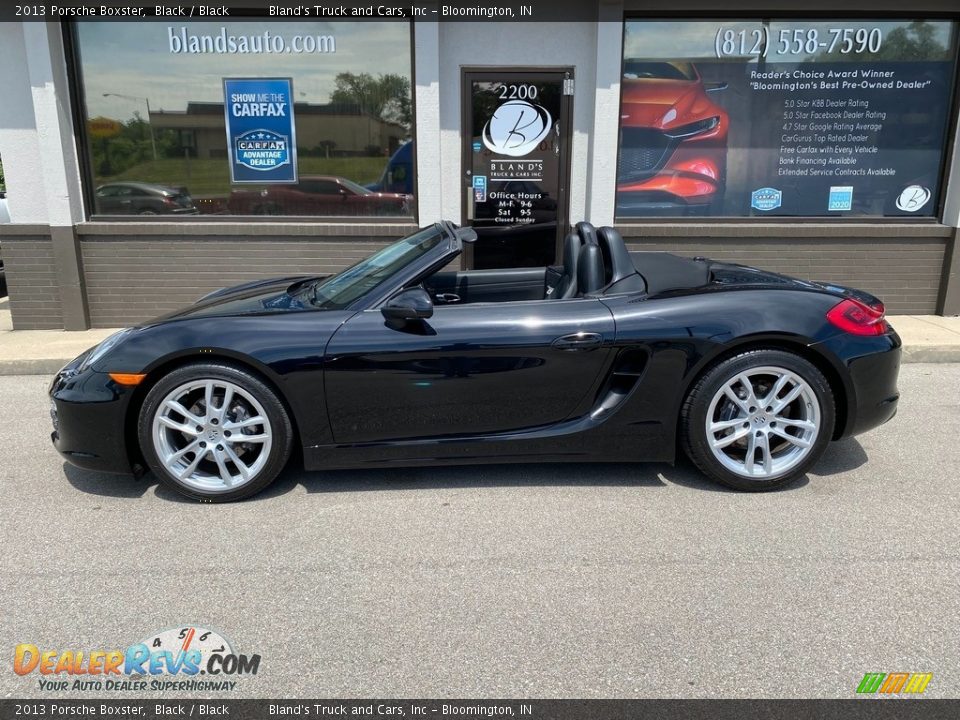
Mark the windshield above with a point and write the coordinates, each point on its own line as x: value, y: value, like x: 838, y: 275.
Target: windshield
x: 633, y: 69
x: 358, y: 189
x: 341, y: 290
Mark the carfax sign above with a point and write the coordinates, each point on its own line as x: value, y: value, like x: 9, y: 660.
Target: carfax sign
x: 260, y: 130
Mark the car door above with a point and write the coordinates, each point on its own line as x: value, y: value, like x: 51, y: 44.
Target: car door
x: 470, y: 369
x: 108, y: 200
x: 320, y: 196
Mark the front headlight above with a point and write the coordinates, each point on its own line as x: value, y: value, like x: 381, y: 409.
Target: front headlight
x: 694, y: 128
x: 104, y: 347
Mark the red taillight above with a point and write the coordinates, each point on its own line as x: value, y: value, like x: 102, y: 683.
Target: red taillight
x: 859, y: 319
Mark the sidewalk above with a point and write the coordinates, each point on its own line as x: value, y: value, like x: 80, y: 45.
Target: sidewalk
x: 926, y: 338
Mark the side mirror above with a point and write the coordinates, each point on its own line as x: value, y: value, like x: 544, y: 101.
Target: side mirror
x: 412, y: 304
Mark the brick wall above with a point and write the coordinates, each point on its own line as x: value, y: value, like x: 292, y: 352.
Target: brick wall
x: 904, y: 272
x: 32, y: 282
x: 133, y: 280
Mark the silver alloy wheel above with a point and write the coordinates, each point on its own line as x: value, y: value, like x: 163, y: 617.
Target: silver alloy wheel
x: 763, y: 422
x: 212, y: 435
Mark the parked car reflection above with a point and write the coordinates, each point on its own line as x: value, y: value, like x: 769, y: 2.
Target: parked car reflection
x: 138, y: 198
x: 318, y: 195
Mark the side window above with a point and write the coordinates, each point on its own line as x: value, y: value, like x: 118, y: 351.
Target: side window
x: 319, y: 187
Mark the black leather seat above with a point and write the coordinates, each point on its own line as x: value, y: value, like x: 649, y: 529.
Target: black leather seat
x: 590, y: 275
x: 567, y: 285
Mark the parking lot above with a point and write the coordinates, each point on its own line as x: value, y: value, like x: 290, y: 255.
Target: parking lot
x: 508, y: 581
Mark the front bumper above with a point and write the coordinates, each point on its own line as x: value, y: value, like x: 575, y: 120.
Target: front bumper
x: 88, y: 411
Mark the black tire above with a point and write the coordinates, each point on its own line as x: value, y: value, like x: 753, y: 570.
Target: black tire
x: 693, y: 432
x: 280, y: 426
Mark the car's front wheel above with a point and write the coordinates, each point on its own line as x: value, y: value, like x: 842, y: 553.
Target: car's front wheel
x: 758, y: 420
x: 214, y: 432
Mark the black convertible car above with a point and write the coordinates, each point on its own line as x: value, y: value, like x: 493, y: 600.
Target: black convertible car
x: 613, y: 356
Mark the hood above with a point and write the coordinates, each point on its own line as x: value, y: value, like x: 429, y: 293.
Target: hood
x: 657, y: 91
x: 259, y: 297
x: 664, y: 103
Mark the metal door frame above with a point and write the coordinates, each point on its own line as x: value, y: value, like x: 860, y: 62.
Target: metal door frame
x: 468, y: 73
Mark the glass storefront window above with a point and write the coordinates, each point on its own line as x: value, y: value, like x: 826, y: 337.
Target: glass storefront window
x: 814, y: 118
x: 320, y: 118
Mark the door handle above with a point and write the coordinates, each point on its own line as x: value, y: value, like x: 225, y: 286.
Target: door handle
x: 578, y: 341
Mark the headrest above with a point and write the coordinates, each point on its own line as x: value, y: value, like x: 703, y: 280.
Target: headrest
x: 571, y: 252
x: 615, y: 254
x: 587, y: 232
x: 590, y: 270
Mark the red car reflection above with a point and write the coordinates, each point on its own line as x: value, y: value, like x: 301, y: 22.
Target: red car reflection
x: 318, y: 195
x: 673, y: 141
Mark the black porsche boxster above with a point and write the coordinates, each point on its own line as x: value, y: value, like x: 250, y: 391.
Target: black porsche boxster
x: 398, y: 360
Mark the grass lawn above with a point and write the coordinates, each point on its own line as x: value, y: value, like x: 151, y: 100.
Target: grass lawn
x: 212, y: 176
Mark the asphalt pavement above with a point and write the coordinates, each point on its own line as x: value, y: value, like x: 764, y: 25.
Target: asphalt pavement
x: 506, y: 581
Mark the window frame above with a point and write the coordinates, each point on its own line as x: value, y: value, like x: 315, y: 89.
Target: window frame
x: 950, y: 135
x: 77, y: 92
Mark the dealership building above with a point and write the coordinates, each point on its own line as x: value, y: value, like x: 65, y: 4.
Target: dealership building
x: 149, y: 162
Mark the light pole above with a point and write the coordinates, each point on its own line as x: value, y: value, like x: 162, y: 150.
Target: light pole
x: 153, y: 141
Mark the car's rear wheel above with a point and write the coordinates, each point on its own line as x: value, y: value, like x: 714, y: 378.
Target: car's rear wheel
x: 758, y: 420
x: 214, y: 432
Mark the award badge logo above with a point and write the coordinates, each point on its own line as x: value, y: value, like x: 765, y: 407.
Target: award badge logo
x: 262, y: 150
x: 516, y: 128
x: 841, y: 198
x: 765, y: 199
x: 479, y: 188
x: 913, y: 198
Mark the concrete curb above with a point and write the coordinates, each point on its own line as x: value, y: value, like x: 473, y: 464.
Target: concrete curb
x: 931, y: 354
x: 36, y: 366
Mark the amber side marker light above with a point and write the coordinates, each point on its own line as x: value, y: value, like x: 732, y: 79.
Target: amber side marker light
x: 127, y: 378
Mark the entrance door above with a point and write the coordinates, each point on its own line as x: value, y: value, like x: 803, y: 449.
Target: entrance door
x: 516, y: 165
